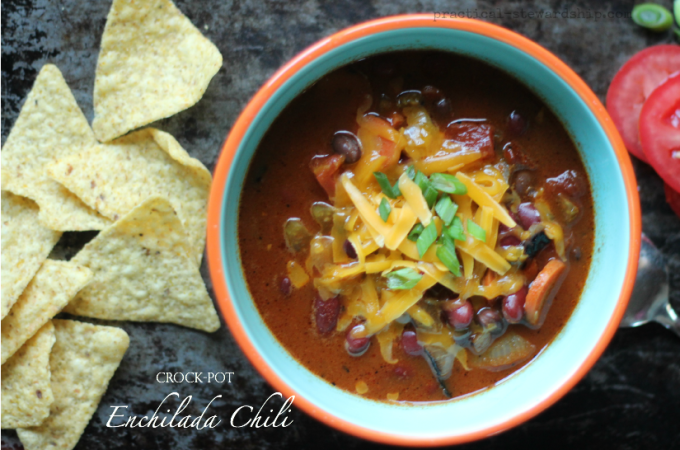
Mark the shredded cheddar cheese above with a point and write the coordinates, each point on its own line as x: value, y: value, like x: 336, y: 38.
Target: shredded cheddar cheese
x: 414, y: 198
x: 383, y: 284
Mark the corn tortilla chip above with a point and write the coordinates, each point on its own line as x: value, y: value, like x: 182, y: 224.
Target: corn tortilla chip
x: 55, y: 284
x: 153, y: 63
x: 83, y: 360
x: 114, y: 178
x: 25, y: 245
x: 26, y: 388
x: 50, y: 126
x: 143, y: 272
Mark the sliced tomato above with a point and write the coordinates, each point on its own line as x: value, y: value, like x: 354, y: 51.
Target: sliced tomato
x: 326, y: 170
x: 660, y: 130
x: 673, y: 199
x: 631, y: 86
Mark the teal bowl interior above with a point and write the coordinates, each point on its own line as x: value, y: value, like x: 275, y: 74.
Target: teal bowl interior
x: 553, y: 368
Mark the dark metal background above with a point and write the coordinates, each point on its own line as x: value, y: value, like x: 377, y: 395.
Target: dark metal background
x: 629, y: 400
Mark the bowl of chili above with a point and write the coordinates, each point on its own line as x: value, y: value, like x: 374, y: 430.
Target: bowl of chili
x: 589, y: 327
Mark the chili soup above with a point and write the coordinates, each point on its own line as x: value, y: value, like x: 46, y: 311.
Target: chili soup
x: 416, y: 226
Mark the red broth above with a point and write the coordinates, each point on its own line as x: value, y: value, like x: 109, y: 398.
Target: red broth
x: 280, y: 185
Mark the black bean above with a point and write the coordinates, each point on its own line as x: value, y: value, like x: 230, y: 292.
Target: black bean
x: 285, y: 286
x: 523, y: 182
x: 536, y: 244
x: 349, y: 249
x: 347, y: 144
x: 516, y: 124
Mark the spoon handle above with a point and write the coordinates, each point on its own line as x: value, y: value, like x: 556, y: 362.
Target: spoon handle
x: 669, y: 319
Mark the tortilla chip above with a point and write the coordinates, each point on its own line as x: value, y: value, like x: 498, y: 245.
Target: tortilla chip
x: 83, y: 360
x: 143, y: 272
x: 55, y: 284
x: 25, y: 245
x: 50, y: 126
x: 26, y: 391
x: 114, y: 178
x: 153, y: 63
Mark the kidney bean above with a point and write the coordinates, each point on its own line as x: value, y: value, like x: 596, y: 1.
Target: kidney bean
x: 460, y: 316
x: 513, y: 305
x: 523, y: 181
x: 326, y: 313
x: 528, y: 215
x: 346, y: 144
x: 349, y: 249
x: 568, y: 182
x: 409, y: 342
x: 356, y: 346
x: 516, y: 125
x: 285, y: 286
x: 510, y: 241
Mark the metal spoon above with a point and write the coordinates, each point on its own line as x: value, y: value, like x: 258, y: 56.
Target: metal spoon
x: 649, y: 301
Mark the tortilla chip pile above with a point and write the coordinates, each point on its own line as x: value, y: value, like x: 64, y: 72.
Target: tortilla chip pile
x: 144, y: 193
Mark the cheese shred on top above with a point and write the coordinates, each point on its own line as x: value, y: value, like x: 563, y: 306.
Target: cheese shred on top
x: 396, y: 256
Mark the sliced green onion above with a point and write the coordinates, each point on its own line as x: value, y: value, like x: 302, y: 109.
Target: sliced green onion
x: 456, y: 231
x: 446, y: 209
x: 430, y: 195
x: 411, y: 172
x: 415, y: 232
x: 426, y: 238
x: 652, y: 16
x: 676, y: 13
x: 387, y: 188
x: 447, y: 183
x: 446, y: 252
x: 476, y: 231
x: 384, y: 209
x: 405, y: 278
x: 421, y: 180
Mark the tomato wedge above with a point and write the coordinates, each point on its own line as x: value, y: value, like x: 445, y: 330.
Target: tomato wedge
x: 631, y: 86
x: 660, y: 130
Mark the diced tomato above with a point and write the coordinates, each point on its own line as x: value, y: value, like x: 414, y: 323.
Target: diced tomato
x: 388, y: 149
x: 660, y: 130
x: 474, y: 136
x: 326, y: 170
x: 673, y: 199
x: 569, y: 183
x: 631, y: 86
